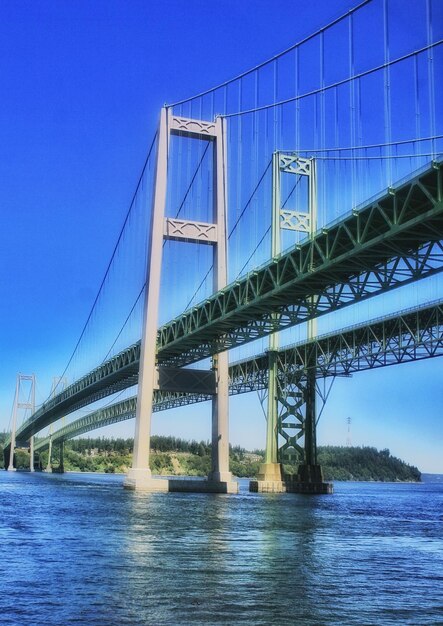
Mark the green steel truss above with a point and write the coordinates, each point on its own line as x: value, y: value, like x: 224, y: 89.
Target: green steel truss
x: 111, y: 414
x: 412, y: 335
x: 394, y: 240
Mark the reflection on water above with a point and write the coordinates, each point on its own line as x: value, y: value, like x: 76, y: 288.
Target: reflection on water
x: 79, y: 549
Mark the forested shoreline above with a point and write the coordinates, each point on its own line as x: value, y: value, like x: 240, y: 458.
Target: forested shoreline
x: 174, y: 456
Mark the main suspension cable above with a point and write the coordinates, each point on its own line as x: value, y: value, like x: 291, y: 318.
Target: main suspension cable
x: 338, y: 83
x: 275, y: 57
x: 111, y: 259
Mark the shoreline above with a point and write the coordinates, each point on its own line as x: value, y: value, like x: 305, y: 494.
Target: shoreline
x: 193, y: 477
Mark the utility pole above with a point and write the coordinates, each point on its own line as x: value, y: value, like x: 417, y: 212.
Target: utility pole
x: 348, y: 438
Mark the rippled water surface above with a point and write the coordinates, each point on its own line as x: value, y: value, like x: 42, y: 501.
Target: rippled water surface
x: 79, y: 549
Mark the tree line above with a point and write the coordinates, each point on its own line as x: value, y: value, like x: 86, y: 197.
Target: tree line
x: 172, y: 455
x: 158, y: 444
x: 365, y: 463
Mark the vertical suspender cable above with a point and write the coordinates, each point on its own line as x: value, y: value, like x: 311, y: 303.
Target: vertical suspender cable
x: 431, y: 86
x: 239, y: 247
x: 336, y: 145
x: 321, y: 217
x: 417, y: 107
x: 387, y: 95
x: 352, y: 105
x: 297, y: 103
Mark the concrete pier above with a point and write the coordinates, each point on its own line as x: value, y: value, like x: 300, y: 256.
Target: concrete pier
x: 308, y: 480
x: 143, y: 481
x: 270, y: 479
x: 139, y: 479
x: 203, y: 486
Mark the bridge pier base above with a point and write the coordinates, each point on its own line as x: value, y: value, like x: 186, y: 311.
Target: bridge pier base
x: 269, y: 480
x: 203, y: 486
x: 142, y: 480
x: 139, y: 479
x: 267, y: 486
x: 309, y: 480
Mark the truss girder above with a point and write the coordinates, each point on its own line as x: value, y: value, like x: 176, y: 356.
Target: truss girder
x: 413, y: 335
x: 393, y: 240
x: 395, y: 272
x: 103, y: 417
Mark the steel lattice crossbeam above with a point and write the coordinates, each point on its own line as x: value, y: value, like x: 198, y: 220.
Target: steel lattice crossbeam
x: 412, y: 335
x: 393, y: 241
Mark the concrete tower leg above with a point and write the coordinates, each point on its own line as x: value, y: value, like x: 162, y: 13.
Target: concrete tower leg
x: 220, y: 474
x: 61, y: 467
x: 31, y: 455
x: 49, y: 466
x: 139, y: 476
x: 220, y: 478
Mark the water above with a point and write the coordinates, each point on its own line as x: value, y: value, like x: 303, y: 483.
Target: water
x: 79, y: 549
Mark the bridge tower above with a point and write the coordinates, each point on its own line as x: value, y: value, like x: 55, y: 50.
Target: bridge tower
x: 24, y: 398
x: 296, y: 398
x: 153, y: 376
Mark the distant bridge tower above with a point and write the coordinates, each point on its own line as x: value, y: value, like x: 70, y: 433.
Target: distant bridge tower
x: 24, y: 398
x: 151, y: 375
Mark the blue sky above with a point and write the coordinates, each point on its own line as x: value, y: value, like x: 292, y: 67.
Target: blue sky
x: 82, y: 86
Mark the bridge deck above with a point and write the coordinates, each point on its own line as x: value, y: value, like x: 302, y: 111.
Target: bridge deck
x: 332, y: 266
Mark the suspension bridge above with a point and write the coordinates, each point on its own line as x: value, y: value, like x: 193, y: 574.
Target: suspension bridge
x: 308, y: 194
